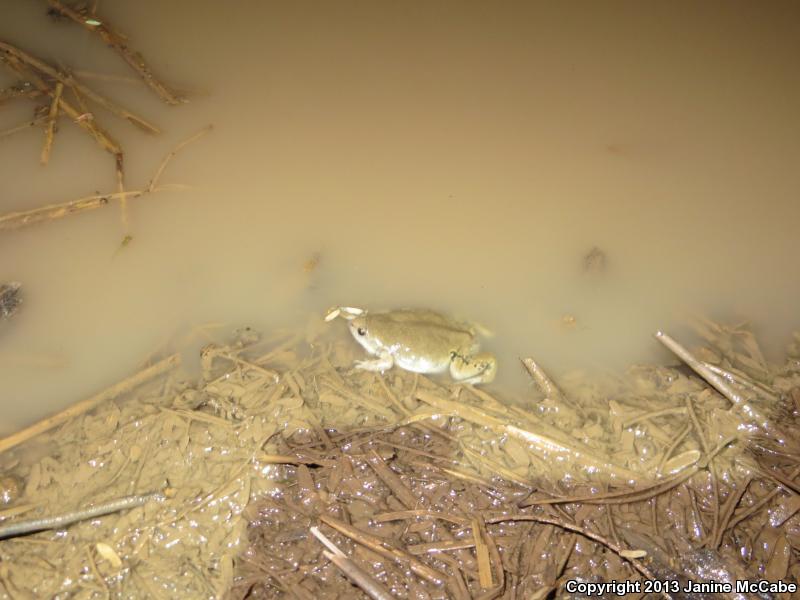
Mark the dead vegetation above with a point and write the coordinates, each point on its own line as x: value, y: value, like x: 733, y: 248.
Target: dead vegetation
x: 416, y: 488
x: 65, y: 94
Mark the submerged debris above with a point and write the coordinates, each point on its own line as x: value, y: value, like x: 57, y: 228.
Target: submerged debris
x: 422, y: 488
x: 595, y: 261
x: 9, y: 299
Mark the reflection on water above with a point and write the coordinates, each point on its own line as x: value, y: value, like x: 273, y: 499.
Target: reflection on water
x: 437, y: 155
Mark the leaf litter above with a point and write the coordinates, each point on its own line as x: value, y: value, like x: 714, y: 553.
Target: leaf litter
x: 282, y: 472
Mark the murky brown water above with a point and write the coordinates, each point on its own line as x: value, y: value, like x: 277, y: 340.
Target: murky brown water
x: 445, y: 155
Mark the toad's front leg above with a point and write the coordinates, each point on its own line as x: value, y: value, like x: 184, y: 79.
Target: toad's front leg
x: 384, y: 362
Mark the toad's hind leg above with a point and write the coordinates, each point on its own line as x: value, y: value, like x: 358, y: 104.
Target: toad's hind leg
x: 384, y: 362
x: 475, y: 368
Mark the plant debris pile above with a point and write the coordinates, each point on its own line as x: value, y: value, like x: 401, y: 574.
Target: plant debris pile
x: 283, y: 472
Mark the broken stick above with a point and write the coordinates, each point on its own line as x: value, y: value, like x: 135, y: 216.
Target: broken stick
x: 119, y: 44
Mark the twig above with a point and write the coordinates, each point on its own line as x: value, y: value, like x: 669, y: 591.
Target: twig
x: 66, y: 519
x: 84, y: 74
x: 392, y: 480
x: 19, y: 90
x: 420, y: 514
x: 118, y: 43
x: 711, y: 470
x: 18, y: 219
x: 102, y: 137
x: 546, y: 385
x: 717, y: 382
x: 83, y: 406
x: 482, y: 554
x: 653, y: 415
x: 50, y: 71
x: 758, y: 505
x: 736, y: 377
x: 541, y: 444
x: 173, y: 152
x: 123, y: 198
x: 675, y: 443
x: 619, y: 551
x: 727, y: 512
x: 50, y: 129
x: 640, y: 495
x: 23, y: 127
x: 379, y: 546
x: 361, y: 578
x: 786, y: 482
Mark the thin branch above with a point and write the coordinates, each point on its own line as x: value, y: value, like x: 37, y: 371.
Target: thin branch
x: 361, y: 578
x: 546, y: 385
x: 25, y: 126
x: 120, y: 45
x: 50, y: 129
x: 381, y: 547
x: 64, y: 520
x: 83, y: 406
x: 18, y: 219
x: 173, y: 152
x: 41, y: 66
x: 717, y: 382
x: 99, y: 134
x: 23, y: 218
x: 619, y: 551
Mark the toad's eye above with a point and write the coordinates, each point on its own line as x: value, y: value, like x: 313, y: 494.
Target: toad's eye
x: 361, y: 331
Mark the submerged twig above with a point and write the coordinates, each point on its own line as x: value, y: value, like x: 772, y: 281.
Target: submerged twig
x: 22, y: 218
x: 621, y: 552
x: 546, y: 385
x: 544, y: 445
x: 120, y: 45
x: 361, y: 578
x: 110, y: 393
x: 50, y: 130
x: 380, y: 547
x: 727, y: 512
x: 100, y: 135
x: 19, y: 90
x: 18, y: 219
x: 717, y: 382
x: 23, y: 127
x: 46, y: 69
x: 750, y: 511
x: 737, y: 377
x: 392, y: 480
x: 173, y: 152
x: 60, y: 521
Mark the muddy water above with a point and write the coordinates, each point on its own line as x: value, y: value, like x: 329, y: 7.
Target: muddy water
x: 435, y: 154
